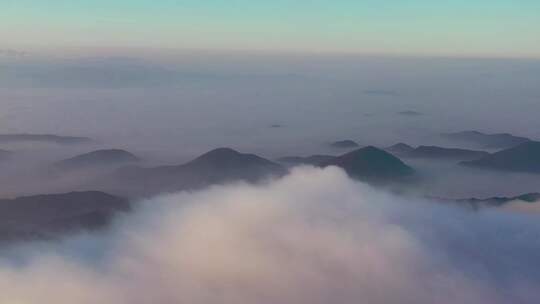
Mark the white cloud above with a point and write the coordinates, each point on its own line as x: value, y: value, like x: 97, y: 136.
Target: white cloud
x: 314, y: 236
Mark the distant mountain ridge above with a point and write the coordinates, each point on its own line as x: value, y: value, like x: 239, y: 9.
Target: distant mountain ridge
x: 524, y: 157
x: 367, y: 164
x: 218, y: 166
x: 435, y: 152
x: 444, y: 153
x: 494, y: 141
x: 51, y: 138
x: 399, y: 148
x: 98, y: 158
x: 496, y: 201
x: 52, y: 215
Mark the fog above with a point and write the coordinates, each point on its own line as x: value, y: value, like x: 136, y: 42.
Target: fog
x: 176, y: 107
x: 447, y: 179
x: 314, y: 236
x: 169, y: 108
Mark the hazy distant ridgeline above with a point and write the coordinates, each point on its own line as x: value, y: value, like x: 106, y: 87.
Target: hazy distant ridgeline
x: 524, y: 157
x: 497, y: 141
x: 57, y: 139
x: 435, y: 152
x: 97, y: 159
x: 139, y: 103
x: 222, y: 165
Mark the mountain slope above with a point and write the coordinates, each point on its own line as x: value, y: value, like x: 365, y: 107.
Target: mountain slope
x: 98, y: 158
x: 51, y: 215
x: 371, y: 163
x: 434, y: 152
x: 399, y: 148
x: 51, y: 138
x: 522, y: 158
x: 495, y: 141
x: 218, y: 166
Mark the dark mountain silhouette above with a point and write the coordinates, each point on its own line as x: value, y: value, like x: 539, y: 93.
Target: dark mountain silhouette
x: 52, y: 215
x: 308, y: 160
x: 57, y: 139
x: 434, y: 152
x: 229, y: 159
x: 399, y: 148
x: 371, y: 164
x: 493, y: 141
x: 497, y: 201
x: 524, y: 157
x: 98, y: 158
x: 344, y: 144
x: 218, y: 166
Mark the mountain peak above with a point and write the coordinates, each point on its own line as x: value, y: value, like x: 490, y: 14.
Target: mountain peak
x: 230, y: 159
x: 222, y: 151
x: 371, y: 163
x: 217, y: 166
x: 99, y: 157
x: 223, y: 155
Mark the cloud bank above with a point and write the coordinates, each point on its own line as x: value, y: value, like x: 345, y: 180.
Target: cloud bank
x: 314, y: 236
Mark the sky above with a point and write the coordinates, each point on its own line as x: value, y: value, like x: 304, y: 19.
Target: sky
x: 478, y: 28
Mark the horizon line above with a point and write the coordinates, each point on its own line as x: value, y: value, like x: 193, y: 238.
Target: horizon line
x: 113, y: 51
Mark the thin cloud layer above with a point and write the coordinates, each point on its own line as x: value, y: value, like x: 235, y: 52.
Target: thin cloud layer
x: 314, y: 236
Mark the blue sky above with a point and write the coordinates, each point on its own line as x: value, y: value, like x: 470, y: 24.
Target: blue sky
x: 506, y: 28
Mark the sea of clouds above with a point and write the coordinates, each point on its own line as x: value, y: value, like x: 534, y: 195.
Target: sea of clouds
x: 314, y: 236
